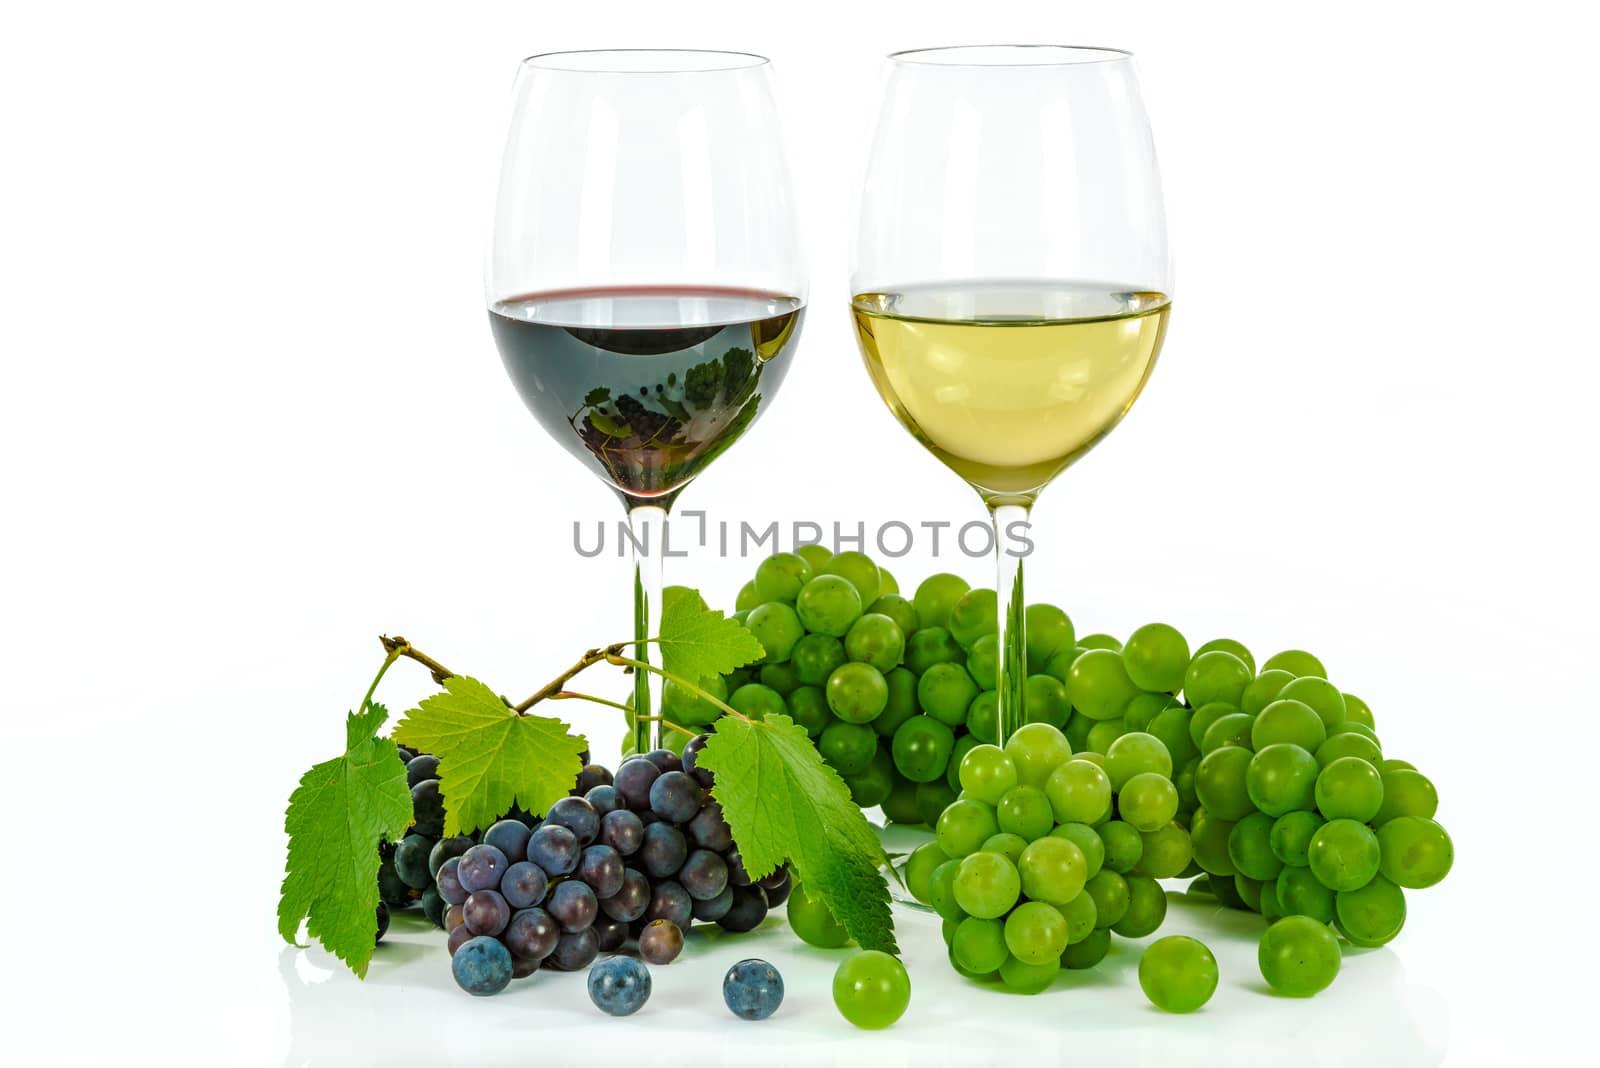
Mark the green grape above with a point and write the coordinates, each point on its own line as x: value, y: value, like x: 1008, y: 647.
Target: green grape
x: 1188, y: 798
x: 1373, y: 915
x: 1208, y: 838
x: 921, y: 748
x: 1026, y: 811
x: 815, y: 657
x: 1077, y: 731
x: 1263, y: 690
x: 944, y: 691
x: 902, y: 703
x: 1349, y: 788
x: 983, y: 717
x: 747, y: 598
x: 1204, y: 717
x: 1248, y: 891
x: 1232, y: 729
x: 1099, y: 685
x: 930, y: 646
x: 1177, y: 974
x: 919, y: 869
x: 1089, y: 843
x: 1271, y: 909
x: 1167, y: 852
x: 901, y: 804
x: 987, y: 885
x: 942, y: 891
x: 848, y: 747
x: 1291, y: 837
x: 857, y: 692
x: 1228, y: 645
x: 1356, y: 711
x: 1351, y: 727
x: 958, y: 752
x: 1036, y: 933
x: 871, y: 787
x: 1124, y: 845
x: 1417, y: 852
x: 1093, y: 756
x: 1143, y: 708
x: 1045, y: 699
x: 875, y: 639
x: 1215, y: 676
x: 980, y: 945
x: 1406, y: 792
x: 1089, y: 951
x: 1220, y: 782
x: 780, y: 677
x: 1156, y: 657
x: 1135, y: 754
x: 983, y: 661
x: 780, y: 576
x: 1147, y: 907
x: 1396, y: 764
x: 1344, y: 854
x: 1079, y: 792
x: 962, y: 827
x: 936, y: 596
x: 1299, y: 893
x: 1282, y: 778
x: 887, y: 583
x: 1250, y: 849
x: 899, y: 610
x: 1298, y: 956
x: 1100, y: 641
x: 1020, y: 977
x: 757, y: 701
x: 1226, y: 891
x: 741, y: 615
x: 1005, y: 843
x: 1296, y: 661
x: 973, y: 616
x: 1321, y: 695
x: 933, y: 798
x: 947, y: 930
x: 1110, y: 892
x: 815, y: 555
x: 1103, y: 733
x: 809, y: 708
x: 812, y: 922
x: 686, y: 708
x: 871, y: 989
x: 987, y: 773
x: 1060, y: 664
x: 1037, y: 749
x: 1171, y: 729
x: 1049, y: 630
x: 1053, y: 870
x: 1080, y: 916
x: 1349, y: 744
x: 1148, y: 801
x: 858, y: 569
x: 828, y: 604
x: 1288, y: 721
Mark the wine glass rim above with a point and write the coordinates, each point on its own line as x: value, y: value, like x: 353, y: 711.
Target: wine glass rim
x: 637, y: 61
x: 1025, y: 55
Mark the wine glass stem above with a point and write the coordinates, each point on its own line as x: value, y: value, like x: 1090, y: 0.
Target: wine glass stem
x: 647, y: 523
x: 1012, y: 677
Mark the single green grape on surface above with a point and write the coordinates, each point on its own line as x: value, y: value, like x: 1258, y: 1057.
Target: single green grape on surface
x: 1178, y: 973
x: 871, y: 989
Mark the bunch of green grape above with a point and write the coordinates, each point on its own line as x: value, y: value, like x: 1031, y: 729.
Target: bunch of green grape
x: 1046, y: 853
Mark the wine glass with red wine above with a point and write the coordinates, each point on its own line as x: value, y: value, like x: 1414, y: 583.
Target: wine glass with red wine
x: 645, y: 283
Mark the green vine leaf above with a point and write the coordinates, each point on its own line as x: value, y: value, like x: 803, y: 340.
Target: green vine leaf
x: 337, y: 816
x: 783, y: 803
x: 490, y: 757
x: 697, y: 642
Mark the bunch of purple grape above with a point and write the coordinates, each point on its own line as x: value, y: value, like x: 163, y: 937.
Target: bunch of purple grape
x: 406, y: 868
x: 639, y: 855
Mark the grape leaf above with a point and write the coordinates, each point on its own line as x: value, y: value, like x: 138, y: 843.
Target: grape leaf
x: 783, y: 803
x: 337, y: 816
x: 490, y: 756
x: 697, y: 641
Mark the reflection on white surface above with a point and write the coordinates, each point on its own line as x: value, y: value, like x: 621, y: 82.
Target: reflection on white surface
x: 410, y: 1011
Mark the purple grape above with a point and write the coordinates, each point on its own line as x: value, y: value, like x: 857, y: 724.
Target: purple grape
x: 748, y: 910
x: 444, y: 849
x: 573, y: 904
x: 481, y: 868
x: 710, y: 830
x: 427, y: 808
x: 623, y: 831
x: 676, y: 797
x: 671, y: 901
x: 421, y: 767
x: 691, y: 761
x: 704, y: 875
x: 605, y: 799
x: 405, y: 755
x: 383, y: 922
x: 574, y: 951
x: 433, y: 907
x: 458, y: 938
x: 486, y: 912
x: 661, y: 941
x: 634, y: 778
x: 631, y: 901
x: 752, y: 989
x: 664, y: 850
x: 510, y: 837
x: 619, y: 986
x: 482, y: 966
x: 577, y: 816
x: 554, y: 848
x: 454, y: 916
x: 775, y: 878
x: 532, y: 934
x: 665, y: 759
x: 524, y: 884
x: 715, y: 908
x: 522, y: 968
x: 737, y: 876
x: 411, y: 861
x: 601, y: 868
x: 611, y: 935
x: 777, y: 886
x: 591, y: 776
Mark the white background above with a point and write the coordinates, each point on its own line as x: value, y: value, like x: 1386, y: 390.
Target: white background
x: 251, y: 417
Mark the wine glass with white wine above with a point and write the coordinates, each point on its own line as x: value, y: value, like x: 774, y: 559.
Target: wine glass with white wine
x: 1011, y: 276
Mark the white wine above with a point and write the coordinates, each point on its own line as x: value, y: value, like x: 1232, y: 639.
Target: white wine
x: 1009, y: 382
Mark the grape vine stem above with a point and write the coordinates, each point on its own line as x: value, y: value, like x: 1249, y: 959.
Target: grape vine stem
x: 398, y: 646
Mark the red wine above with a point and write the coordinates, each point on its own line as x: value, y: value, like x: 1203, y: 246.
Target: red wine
x: 647, y: 385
